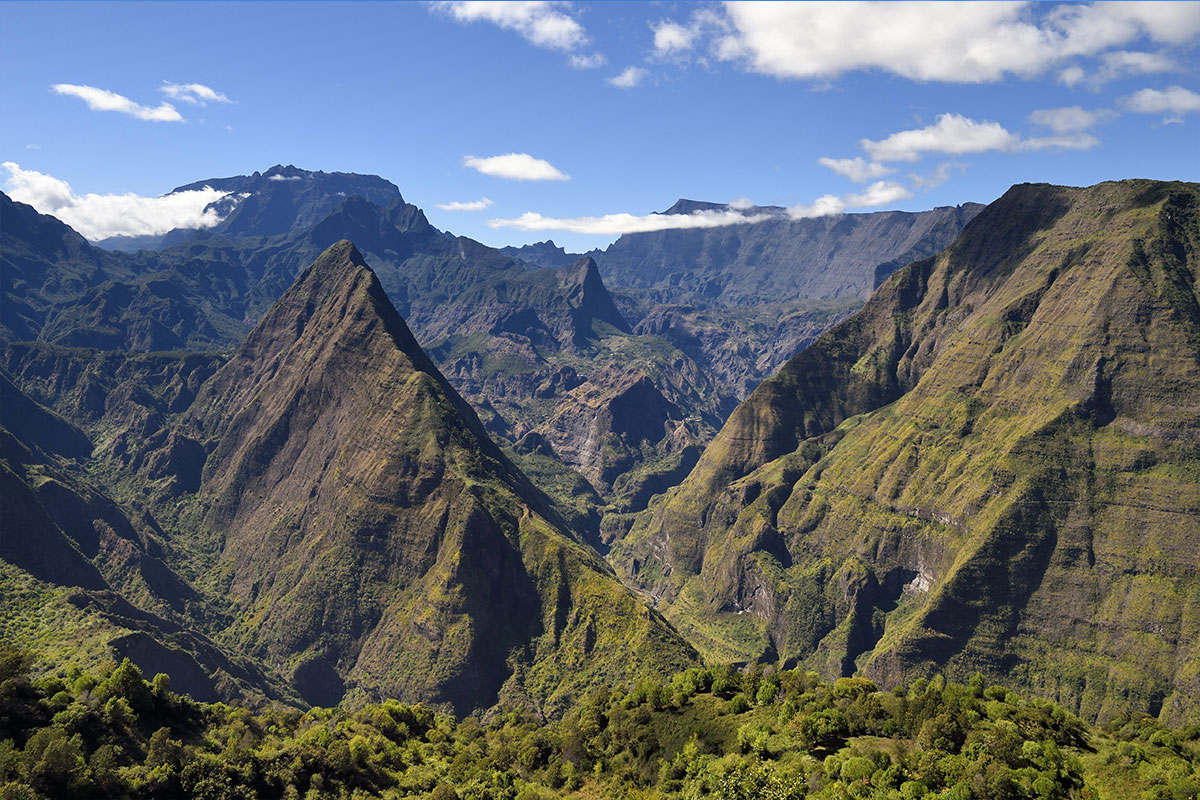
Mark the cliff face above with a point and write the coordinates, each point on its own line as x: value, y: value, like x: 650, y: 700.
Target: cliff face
x: 993, y: 466
x: 828, y: 258
x: 374, y: 537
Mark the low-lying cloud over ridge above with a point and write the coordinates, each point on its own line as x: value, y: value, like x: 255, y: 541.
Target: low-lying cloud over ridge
x: 98, y: 216
x: 877, y: 194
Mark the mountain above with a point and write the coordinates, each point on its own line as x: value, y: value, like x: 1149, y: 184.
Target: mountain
x: 993, y: 466
x: 542, y: 254
x: 779, y: 259
x: 372, y: 536
x: 278, y: 201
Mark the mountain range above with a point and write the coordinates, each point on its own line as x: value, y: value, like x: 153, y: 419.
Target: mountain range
x: 325, y: 452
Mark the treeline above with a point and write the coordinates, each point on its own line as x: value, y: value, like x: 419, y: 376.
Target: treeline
x: 714, y: 732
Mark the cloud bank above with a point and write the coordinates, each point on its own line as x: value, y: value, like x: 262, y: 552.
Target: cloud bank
x: 877, y: 194
x: 927, y: 41
x: 98, y: 216
x: 611, y: 224
x: 516, y: 167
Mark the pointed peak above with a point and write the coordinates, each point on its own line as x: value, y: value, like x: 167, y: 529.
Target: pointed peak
x: 339, y: 258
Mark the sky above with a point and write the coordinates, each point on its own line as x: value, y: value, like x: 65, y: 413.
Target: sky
x: 516, y: 122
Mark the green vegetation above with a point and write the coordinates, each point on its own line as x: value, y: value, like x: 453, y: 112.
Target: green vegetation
x: 712, y: 732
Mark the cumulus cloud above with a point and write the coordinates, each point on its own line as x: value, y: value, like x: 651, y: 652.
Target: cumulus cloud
x: 950, y: 42
x: 104, y: 100
x: 544, y: 24
x: 825, y: 206
x: 473, y: 205
x: 857, y: 169
x: 615, y: 224
x: 98, y: 216
x: 1173, y: 100
x: 593, y: 61
x: 954, y: 134
x: 629, y: 78
x: 516, y: 167
x: 742, y: 204
x: 1070, y: 119
x: 196, y: 94
x: 671, y: 38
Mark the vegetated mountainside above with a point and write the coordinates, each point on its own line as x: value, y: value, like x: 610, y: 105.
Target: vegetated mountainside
x: 780, y: 258
x: 84, y: 578
x: 994, y: 466
x: 373, y: 537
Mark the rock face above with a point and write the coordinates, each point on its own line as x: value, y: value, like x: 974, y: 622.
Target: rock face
x: 991, y: 467
x: 374, y: 536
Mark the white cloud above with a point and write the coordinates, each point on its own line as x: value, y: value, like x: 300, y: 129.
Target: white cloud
x: 194, y: 93
x: 1125, y: 62
x: 516, y: 167
x: 543, y: 24
x: 824, y: 206
x: 104, y: 100
x: 1071, y: 76
x: 1070, y: 119
x: 593, y: 61
x: 954, y: 134
x: 742, y: 204
x: 671, y: 38
x: 880, y: 193
x: 936, y: 178
x: 473, y: 205
x: 857, y: 169
x: 629, y: 78
x: 930, y: 41
x: 97, y: 216
x: 614, y: 224
x: 278, y: 177
x: 33, y: 147
x: 1173, y: 100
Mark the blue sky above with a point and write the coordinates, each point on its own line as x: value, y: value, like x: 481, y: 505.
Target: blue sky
x: 619, y: 108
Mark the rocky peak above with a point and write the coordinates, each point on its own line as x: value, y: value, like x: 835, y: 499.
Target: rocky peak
x: 589, y: 297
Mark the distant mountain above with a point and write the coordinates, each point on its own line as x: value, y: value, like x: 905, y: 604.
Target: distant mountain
x: 541, y: 254
x: 278, y: 201
x: 779, y: 259
x: 991, y: 467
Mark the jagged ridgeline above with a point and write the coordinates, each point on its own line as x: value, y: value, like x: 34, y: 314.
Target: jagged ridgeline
x: 994, y: 466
